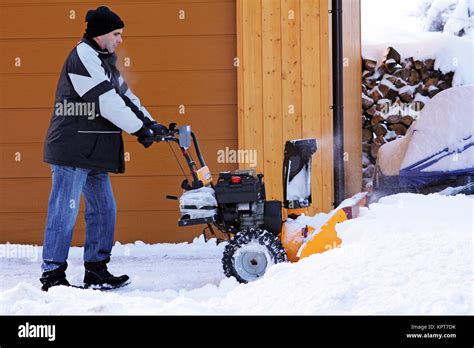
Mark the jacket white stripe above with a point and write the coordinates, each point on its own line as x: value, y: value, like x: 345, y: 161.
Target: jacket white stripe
x: 136, y: 101
x: 112, y: 107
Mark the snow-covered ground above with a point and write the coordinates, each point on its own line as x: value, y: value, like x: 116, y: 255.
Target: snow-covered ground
x: 408, y: 253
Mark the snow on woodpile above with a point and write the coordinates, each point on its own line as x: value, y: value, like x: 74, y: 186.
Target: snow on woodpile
x: 412, y: 50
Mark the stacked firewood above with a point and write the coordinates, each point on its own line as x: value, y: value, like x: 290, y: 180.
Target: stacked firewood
x: 393, y: 94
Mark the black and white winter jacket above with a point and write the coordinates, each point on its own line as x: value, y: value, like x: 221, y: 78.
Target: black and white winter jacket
x: 93, y: 105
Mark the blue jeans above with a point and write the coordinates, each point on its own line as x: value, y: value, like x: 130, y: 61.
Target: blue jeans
x: 67, y: 186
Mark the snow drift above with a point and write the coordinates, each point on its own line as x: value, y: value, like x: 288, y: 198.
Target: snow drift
x: 419, y: 264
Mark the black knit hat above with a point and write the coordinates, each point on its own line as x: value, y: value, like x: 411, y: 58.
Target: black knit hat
x: 102, y: 21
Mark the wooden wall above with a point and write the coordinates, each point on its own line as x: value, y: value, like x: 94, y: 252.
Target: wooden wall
x: 279, y: 88
x: 167, y: 61
x: 284, y: 87
x: 352, y: 96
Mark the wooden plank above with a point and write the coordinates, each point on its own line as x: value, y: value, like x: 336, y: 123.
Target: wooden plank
x: 132, y: 193
x: 240, y: 76
x: 352, y: 100
x: 141, y: 19
x: 222, y: 117
x: 149, y: 227
x: 252, y: 79
x: 311, y: 92
x: 182, y: 53
x: 21, y: 56
x: 272, y: 94
x: 26, y: 160
x: 291, y: 69
x: 327, y: 147
x: 154, y: 88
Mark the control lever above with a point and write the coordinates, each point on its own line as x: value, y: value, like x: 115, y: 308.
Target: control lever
x: 172, y: 127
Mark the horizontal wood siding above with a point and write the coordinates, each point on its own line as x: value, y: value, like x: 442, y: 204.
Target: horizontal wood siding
x: 182, y: 70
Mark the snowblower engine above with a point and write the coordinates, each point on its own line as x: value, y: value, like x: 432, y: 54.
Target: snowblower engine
x: 241, y: 202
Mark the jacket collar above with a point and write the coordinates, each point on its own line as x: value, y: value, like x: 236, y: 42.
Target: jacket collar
x: 91, y: 42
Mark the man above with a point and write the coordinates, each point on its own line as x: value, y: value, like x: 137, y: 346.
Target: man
x: 83, y: 143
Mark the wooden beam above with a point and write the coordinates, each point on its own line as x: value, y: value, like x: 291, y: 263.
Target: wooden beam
x: 311, y: 92
x: 291, y: 69
x: 352, y: 97
x: 272, y: 96
x: 326, y: 142
x: 252, y: 79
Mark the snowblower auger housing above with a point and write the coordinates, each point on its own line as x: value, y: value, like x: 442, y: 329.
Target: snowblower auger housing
x: 236, y: 206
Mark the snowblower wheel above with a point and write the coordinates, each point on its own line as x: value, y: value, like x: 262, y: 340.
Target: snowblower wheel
x: 250, y: 253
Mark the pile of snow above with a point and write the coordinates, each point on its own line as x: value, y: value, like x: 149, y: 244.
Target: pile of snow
x: 441, y: 139
x: 455, y: 17
x: 444, y: 132
x: 421, y: 264
x: 451, y: 53
x: 382, y: 19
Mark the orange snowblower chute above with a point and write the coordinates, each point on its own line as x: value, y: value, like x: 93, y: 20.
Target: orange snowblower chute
x: 326, y: 239
x: 308, y: 240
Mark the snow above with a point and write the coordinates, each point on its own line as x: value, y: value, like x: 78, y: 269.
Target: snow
x: 452, y: 110
x: 446, y: 122
x: 422, y: 98
x: 382, y: 18
x: 199, y: 198
x: 457, y: 161
x: 437, y: 14
x: 459, y: 18
x: 451, y: 191
x: 388, y: 83
x: 298, y: 188
x: 403, y: 28
x: 366, y: 98
x: 451, y: 53
x: 409, y: 89
x: 419, y: 264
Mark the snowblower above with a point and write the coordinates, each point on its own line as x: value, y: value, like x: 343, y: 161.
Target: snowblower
x: 235, y: 209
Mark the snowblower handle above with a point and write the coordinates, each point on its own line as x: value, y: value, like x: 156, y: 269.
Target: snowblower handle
x: 175, y: 133
x: 169, y: 136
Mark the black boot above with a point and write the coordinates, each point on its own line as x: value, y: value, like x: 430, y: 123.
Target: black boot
x: 54, y: 278
x: 97, y: 276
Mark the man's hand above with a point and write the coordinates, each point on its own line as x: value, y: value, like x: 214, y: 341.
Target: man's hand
x: 159, y: 129
x: 147, y: 135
